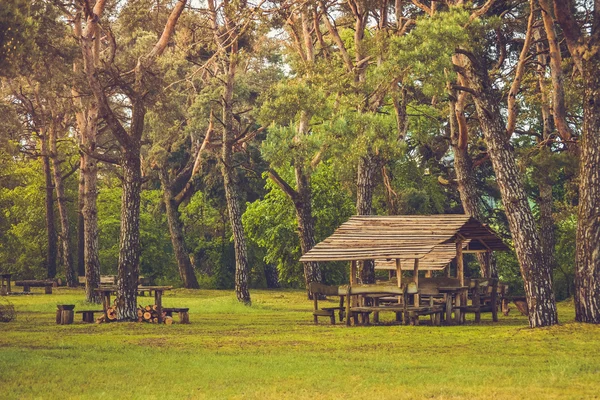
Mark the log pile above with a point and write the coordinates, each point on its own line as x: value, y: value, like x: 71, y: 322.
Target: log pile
x: 147, y: 314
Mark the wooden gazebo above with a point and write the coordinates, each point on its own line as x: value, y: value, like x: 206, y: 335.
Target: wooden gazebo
x: 407, y: 242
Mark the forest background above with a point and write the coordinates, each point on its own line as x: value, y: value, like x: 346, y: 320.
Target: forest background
x: 318, y: 92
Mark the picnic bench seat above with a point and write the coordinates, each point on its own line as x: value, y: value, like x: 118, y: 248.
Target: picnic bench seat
x: 88, y: 315
x: 318, y: 290
x: 184, y: 317
x: 28, y: 284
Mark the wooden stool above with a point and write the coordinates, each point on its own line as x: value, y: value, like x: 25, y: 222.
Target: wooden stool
x: 5, y: 284
x: 65, y: 314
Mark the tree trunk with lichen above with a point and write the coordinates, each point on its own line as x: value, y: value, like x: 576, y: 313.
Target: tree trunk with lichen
x: 129, y: 247
x: 186, y: 269
x: 537, y: 275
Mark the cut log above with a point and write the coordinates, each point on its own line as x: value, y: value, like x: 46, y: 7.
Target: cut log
x: 147, y: 316
x: 168, y: 320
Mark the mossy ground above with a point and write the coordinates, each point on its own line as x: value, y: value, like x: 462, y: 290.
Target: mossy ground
x: 272, y: 350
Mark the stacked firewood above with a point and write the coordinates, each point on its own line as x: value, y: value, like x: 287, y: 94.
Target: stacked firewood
x: 147, y: 313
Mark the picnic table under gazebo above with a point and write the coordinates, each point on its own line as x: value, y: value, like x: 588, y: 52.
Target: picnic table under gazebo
x: 409, y: 242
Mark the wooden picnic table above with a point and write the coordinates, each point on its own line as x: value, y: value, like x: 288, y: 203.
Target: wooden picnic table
x: 456, y: 293
x: 105, y: 292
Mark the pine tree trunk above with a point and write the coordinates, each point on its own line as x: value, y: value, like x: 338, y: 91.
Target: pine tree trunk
x: 80, y: 221
x: 537, y: 275
x: 470, y: 200
x: 62, y: 211
x: 306, y: 225
x: 365, y: 185
x: 547, y: 235
x: 239, y: 238
x: 129, y: 248
x: 186, y: 269
x: 90, y: 229
x: 52, y: 250
x: 587, y: 269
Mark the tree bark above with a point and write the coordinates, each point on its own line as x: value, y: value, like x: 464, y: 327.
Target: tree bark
x: 365, y: 185
x: 239, y: 238
x: 80, y: 221
x: 584, y: 51
x: 90, y: 228
x: 306, y: 225
x: 463, y: 166
x: 61, y: 201
x: 129, y: 247
x: 52, y: 251
x: 587, y: 268
x: 537, y: 275
x: 231, y: 188
x: 186, y: 269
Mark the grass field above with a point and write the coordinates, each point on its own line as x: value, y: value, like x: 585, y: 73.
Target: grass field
x: 273, y: 351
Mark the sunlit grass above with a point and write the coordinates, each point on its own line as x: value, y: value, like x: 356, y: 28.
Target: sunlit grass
x: 272, y: 350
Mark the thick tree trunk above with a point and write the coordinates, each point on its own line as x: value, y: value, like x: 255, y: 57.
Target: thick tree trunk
x: 62, y: 211
x: 587, y: 270
x: 90, y: 229
x: 469, y: 197
x: 52, y: 250
x: 239, y: 238
x: 80, y: 221
x: 129, y: 248
x: 537, y: 275
x: 186, y: 269
x: 365, y: 185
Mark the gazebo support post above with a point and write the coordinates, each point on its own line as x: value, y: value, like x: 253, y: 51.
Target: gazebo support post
x: 416, y: 280
x: 399, y: 279
x: 448, y: 270
x: 353, y: 274
x: 460, y: 274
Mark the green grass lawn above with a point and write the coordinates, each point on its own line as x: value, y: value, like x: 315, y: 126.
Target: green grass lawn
x: 272, y: 351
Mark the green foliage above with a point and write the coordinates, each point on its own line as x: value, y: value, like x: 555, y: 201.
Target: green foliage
x: 271, y: 224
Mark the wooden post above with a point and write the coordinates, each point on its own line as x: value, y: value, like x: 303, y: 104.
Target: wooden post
x: 448, y: 270
x: 348, y: 306
x: 460, y: 273
x: 399, y: 276
x: 353, y: 280
x: 353, y: 272
x: 494, y: 300
x: 316, y: 307
x: 416, y: 280
x: 428, y: 273
x: 476, y: 301
x: 158, y: 301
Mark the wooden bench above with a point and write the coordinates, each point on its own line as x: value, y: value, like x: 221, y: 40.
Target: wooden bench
x: 184, y: 317
x: 27, y: 285
x: 318, y: 290
x: 88, y: 315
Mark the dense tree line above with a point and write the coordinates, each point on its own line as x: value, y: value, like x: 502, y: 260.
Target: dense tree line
x: 211, y: 143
